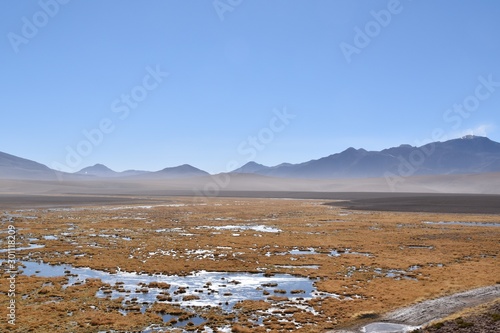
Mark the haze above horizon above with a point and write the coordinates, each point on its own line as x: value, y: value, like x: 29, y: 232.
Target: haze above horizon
x: 144, y: 86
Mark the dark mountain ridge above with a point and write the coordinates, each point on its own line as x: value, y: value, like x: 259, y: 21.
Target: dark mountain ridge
x: 470, y: 154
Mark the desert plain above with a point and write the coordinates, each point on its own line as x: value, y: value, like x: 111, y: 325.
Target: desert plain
x: 240, y: 264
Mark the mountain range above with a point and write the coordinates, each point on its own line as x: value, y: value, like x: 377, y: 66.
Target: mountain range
x: 466, y: 155
x: 469, y: 154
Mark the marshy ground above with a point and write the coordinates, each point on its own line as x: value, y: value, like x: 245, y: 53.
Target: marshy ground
x: 237, y: 264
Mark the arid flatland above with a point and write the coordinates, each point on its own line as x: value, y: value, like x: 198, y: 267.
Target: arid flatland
x: 362, y: 263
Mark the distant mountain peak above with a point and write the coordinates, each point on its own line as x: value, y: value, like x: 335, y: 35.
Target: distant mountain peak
x: 250, y: 167
x: 180, y: 171
x: 253, y: 163
x: 96, y: 170
x: 472, y: 137
x: 100, y: 166
x: 182, y: 167
x: 351, y: 151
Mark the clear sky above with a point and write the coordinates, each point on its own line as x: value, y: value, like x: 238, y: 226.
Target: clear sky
x: 339, y: 73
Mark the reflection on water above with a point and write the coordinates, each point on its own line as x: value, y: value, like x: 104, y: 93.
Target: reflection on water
x: 175, y: 322
x: 199, y: 289
x: 209, y: 288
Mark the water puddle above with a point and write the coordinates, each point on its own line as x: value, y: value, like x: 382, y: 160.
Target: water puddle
x: 159, y: 329
x: 302, y: 252
x: 198, y: 289
x: 30, y: 247
x: 397, y: 274
x: 50, y: 237
x: 258, y: 228
x: 175, y: 321
x: 310, y: 250
x: 387, y: 328
x: 169, y: 230
x: 338, y: 253
x: 114, y: 236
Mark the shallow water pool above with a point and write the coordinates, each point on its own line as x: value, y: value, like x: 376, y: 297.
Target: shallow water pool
x: 207, y: 288
x: 387, y: 328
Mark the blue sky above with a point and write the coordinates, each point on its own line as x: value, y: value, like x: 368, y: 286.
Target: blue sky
x: 366, y: 74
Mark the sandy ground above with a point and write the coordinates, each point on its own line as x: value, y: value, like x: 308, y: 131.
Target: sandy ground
x: 427, y: 311
x: 423, y: 313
